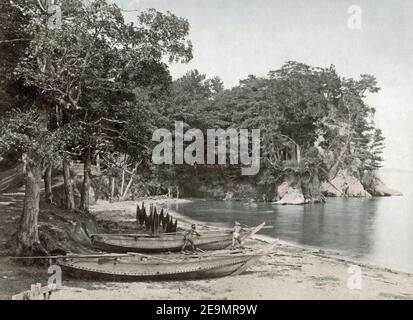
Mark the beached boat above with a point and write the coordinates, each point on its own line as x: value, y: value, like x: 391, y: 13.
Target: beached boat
x: 209, y: 240
x: 138, y: 268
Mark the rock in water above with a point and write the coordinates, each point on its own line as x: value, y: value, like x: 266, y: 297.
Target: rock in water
x: 299, y: 189
x: 292, y: 196
x: 375, y: 185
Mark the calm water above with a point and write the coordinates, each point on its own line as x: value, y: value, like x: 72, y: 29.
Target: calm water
x: 377, y: 230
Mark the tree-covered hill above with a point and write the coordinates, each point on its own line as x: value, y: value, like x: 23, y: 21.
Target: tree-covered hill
x: 314, y: 124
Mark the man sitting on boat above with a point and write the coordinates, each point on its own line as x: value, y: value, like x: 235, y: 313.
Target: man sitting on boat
x: 236, y: 235
x: 189, y: 237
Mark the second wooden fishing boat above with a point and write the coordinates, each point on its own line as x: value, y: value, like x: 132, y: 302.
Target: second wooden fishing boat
x: 209, y: 240
x: 140, y: 268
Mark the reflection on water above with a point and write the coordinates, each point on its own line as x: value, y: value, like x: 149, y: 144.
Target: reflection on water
x: 377, y: 230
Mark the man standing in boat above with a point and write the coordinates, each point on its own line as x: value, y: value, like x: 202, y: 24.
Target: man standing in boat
x: 236, y: 235
x: 189, y: 237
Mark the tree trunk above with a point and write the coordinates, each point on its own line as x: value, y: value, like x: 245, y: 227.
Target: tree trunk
x: 334, y: 168
x: 24, y: 160
x: 122, y: 185
x: 84, y: 199
x: 98, y: 170
x: 28, y: 237
x: 123, y: 196
x: 112, y: 188
x: 68, y: 186
x: 298, y: 153
x: 48, y: 184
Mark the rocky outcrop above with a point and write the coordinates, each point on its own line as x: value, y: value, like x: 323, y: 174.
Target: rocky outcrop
x: 62, y: 232
x: 297, y: 189
x: 345, y: 184
x: 290, y: 195
x: 233, y: 191
x: 376, y: 187
x: 350, y: 184
x: 294, y: 189
x: 65, y: 238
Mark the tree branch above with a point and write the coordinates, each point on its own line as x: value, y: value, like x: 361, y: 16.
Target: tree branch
x: 111, y: 120
x: 14, y: 40
x: 39, y: 3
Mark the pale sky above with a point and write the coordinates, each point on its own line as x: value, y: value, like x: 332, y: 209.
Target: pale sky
x: 235, y: 38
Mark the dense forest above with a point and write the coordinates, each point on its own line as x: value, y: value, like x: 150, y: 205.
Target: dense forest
x: 88, y: 87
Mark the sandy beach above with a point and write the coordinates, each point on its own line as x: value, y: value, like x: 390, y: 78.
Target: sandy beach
x: 284, y: 272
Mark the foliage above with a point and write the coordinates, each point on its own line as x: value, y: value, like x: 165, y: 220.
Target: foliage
x: 105, y: 86
x: 298, y: 108
x: 14, y: 40
x: 25, y: 133
x: 99, y: 76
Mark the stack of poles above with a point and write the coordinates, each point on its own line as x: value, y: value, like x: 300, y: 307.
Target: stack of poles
x: 154, y: 221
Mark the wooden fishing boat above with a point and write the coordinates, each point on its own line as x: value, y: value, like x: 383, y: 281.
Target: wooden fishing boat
x: 138, y: 268
x: 209, y: 240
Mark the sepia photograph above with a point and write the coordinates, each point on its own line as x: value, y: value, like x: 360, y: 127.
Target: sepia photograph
x: 206, y: 150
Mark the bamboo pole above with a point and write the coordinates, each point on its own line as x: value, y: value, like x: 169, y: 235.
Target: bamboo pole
x: 90, y: 256
x: 74, y: 256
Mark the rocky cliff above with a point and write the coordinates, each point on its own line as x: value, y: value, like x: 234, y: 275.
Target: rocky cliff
x: 293, y: 189
x: 349, y: 184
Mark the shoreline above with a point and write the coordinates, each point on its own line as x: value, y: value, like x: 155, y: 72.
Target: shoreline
x: 317, y: 251
x: 287, y: 272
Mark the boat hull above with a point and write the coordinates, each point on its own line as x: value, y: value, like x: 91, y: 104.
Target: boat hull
x: 157, y: 245
x: 123, y: 243
x: 118, y: 270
